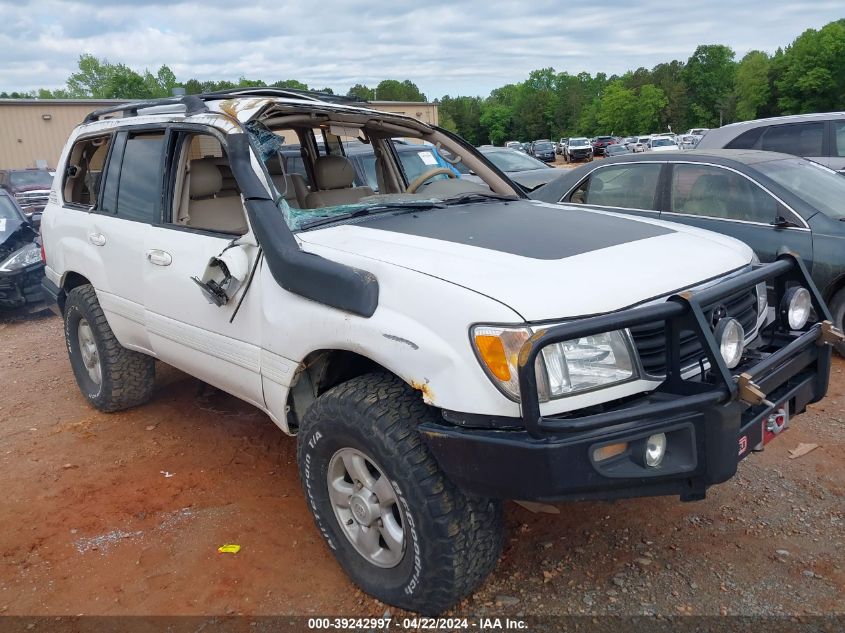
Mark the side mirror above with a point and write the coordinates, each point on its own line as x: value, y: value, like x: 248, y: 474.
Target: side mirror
x: 35, y: 220
x: 781, y: 222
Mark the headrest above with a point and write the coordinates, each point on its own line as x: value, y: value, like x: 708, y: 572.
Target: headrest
x: 334, y: 172
x: 274, y: 166
x: 710, y: 184
x: 206, y: 179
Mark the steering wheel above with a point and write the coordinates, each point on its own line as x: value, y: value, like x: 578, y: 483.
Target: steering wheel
x: 431, y: 173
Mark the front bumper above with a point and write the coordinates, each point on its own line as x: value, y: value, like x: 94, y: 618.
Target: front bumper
x: 22, y: 288
x: 710, y: 424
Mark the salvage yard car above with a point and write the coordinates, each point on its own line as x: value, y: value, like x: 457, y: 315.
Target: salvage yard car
x: 766, y: 199
x: 578, y: 149
x: 819, y: 137
x: 435, y: 348
x: 30, y: 187
x: 21, y: 266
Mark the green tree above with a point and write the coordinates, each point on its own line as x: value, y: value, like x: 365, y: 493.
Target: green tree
x: 393, y: 90
x: 495, y: 121
x: 360, y: 91
x: 650, y: 103
x: 709, y: 77
x: 465, y: 112
x: 617, y: 109
x: 91, y: 78
x: 193, y: 87
x: 289, y: 83
x: 751, y: 85
x: 244, y: 82
x: 810, y: 73
x: 669, y: 77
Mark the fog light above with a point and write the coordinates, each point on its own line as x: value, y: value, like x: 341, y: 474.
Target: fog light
x: 795, y: 307
x: 655, y: 449
x: 731, y: 339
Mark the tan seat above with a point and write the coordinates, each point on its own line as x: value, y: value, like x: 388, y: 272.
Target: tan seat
x: 291, y: 186
x: 334, y: 176
x: 206, y: 210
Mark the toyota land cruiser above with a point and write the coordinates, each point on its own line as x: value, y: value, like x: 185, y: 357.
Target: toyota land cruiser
x: 435, y: 348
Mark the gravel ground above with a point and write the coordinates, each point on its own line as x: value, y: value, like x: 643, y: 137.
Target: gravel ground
x: 137, y: 503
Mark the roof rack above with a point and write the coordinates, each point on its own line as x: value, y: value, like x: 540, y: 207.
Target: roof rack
x: 196, y: 103
x: 193, y: 104
x: 269, y: 91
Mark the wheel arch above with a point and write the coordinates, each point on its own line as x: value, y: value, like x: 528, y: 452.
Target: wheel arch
x: 836, y: 285
x: 323, y: 369
x: 70, y: 280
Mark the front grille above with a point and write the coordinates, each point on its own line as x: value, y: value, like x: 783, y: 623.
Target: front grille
x: 33, y: 198
x: 650, y: 339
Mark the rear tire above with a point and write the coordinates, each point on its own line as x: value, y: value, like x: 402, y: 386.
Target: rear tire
x: 837, y: 311
x: 111, y: 377
x: 450, y: 542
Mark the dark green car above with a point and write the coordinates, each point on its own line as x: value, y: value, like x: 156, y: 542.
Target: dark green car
x: 766, y: 199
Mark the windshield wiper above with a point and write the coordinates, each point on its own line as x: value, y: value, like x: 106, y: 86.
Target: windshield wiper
x: 478, y: 196
x: 376, y: 208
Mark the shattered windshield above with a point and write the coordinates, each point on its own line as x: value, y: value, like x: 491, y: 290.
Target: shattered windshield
x: 337, y: 173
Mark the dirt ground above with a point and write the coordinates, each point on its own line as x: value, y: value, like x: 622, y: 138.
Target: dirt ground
x: 123, y: 514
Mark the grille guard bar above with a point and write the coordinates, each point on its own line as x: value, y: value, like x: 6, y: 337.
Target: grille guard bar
x: 680, y: 312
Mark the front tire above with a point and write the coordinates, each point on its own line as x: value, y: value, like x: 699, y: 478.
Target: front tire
x: 399, y: 528
x: 111, y: 377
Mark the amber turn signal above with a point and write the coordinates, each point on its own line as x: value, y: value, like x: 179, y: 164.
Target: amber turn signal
x: 492, y: 352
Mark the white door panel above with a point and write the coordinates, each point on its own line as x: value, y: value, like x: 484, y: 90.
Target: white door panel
x: 116, y: 268
x: 189, y: 332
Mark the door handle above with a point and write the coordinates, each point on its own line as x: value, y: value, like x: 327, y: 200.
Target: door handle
x: 97, y: 239
x: 159, y: 258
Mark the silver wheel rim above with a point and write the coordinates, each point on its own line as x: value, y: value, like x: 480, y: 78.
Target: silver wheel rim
x: 88, y: 351
x: 367, y: 508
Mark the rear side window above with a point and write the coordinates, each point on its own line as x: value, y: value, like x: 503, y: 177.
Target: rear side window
x: 624, y: 186
x: 801, y: 139
x: 746, y: 140
x: 839, y: 138
x: 84, y: 171
x: 719, y: 193
x: 133, y: 189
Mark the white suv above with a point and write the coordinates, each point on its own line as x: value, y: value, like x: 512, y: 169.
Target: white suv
x: 437, y: 346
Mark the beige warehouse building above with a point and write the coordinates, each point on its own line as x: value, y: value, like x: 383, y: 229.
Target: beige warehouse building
x: 33, y: 131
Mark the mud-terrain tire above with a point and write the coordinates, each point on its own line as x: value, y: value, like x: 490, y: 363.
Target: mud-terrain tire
x: 837, y: 311
x: 451, y: 541
x: 126, y: 378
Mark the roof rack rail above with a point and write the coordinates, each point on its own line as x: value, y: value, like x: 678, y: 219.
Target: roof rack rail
x: 270, y: 91
x: 193, y: 104
x: 196, y: 103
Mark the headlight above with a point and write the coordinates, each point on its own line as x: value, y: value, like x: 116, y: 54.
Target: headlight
x: 21, y: 258
x: 562, y: 369
x: 795, y: 307
x: 730, y: 336
x: 762, y: 298
x: 761, y: 290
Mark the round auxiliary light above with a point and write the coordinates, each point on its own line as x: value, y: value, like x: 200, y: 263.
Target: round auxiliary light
x: 795, y: 307
x: 655, y: 449
x: 731, y: 339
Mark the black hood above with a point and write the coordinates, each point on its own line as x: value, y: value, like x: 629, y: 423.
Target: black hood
x: 519, y: 227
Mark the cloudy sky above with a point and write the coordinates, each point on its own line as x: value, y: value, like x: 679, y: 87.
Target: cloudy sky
x: 446, y: 47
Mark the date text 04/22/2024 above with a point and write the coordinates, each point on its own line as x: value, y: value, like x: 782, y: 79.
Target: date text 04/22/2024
x: 418, y: 624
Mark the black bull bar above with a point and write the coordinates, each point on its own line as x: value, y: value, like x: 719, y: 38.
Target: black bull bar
x: 684, y: 312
